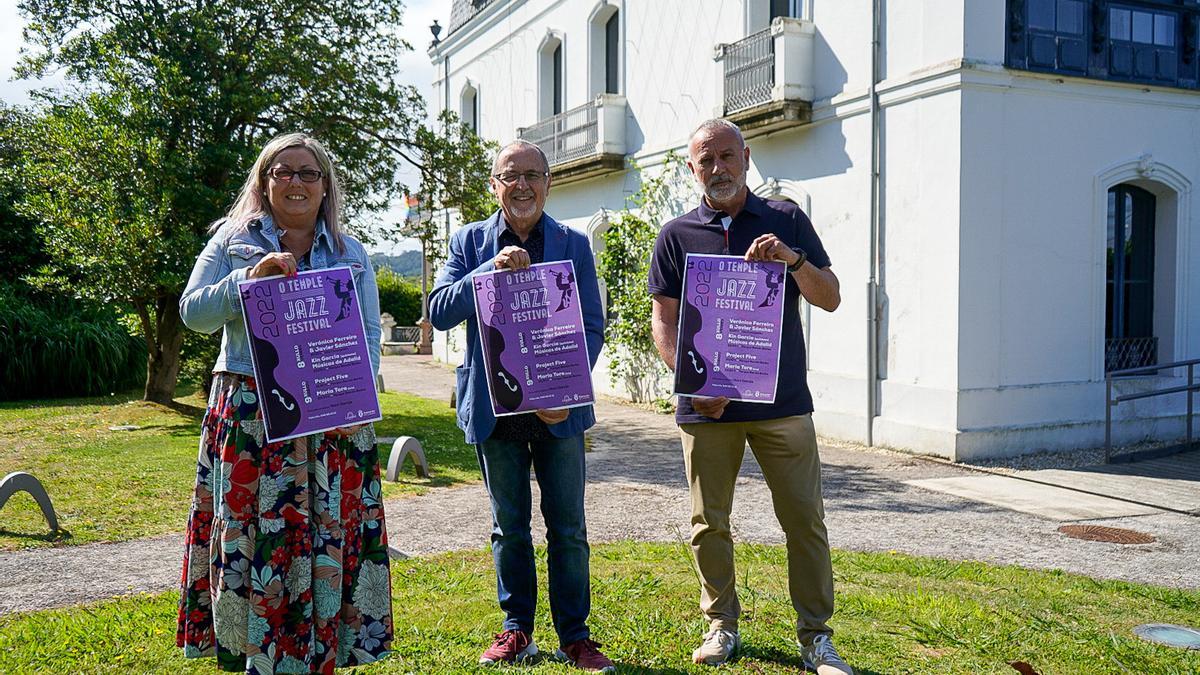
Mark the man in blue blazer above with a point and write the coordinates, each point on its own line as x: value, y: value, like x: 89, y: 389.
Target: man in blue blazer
x: 551, y: 441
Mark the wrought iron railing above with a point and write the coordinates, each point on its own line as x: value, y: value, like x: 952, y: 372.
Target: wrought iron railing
x: 406, y: 334
x: 1125, y: 353
x: 749, y: 71
x: 568, y: 135
x: 1189, y: 390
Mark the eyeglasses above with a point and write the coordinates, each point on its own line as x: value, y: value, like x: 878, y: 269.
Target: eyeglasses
x: 284, y: 175
x: 531, y: 177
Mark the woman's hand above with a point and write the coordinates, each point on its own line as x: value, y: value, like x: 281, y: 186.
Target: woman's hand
x: 274, y: 263
x: 348, y: 431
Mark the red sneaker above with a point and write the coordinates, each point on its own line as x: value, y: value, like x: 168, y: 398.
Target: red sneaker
x: 585, y: 655
x: 511, y: 646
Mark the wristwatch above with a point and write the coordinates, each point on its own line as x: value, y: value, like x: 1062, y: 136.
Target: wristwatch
x: 799, y: 261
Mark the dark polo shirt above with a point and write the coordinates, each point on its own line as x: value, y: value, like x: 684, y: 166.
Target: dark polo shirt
x: 701, y: 231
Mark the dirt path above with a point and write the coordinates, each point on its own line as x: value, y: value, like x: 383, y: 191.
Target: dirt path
x: 636, y: 491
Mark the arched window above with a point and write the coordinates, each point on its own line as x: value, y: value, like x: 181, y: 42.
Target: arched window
x: 557, y: 59
x: 604, y: 50
x: 596, y: 229
x: 551, y: 86
x: 469, y: 108
x: 1130, y: 341
x: 612, y: 55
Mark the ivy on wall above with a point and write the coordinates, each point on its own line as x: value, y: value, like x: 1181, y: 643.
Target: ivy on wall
x: 623, y: 264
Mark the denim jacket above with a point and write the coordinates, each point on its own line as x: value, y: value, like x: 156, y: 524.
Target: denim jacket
x: 210, y: 301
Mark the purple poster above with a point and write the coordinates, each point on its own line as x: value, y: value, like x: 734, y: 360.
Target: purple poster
x: 730, y: 323
x: 534, y: 347
x: 309, y: 348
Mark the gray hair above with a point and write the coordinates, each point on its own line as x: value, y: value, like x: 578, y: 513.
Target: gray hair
x: 519, y: 143
x: 252, y: 203
x: 717, y: 124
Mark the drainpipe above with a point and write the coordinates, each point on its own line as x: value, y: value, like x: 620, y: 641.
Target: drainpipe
x: 872, y: 281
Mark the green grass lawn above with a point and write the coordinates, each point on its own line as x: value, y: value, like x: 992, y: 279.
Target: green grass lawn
x: 118, y: 485
x: 896, y: 614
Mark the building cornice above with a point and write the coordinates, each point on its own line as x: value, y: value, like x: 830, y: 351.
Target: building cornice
x: 483, y: 20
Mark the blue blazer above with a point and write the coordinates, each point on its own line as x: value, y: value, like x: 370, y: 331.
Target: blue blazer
x: 473, y: 249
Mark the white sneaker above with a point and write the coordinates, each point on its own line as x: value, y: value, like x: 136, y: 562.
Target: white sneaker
x: 822, y: 657
x: 718, y: 647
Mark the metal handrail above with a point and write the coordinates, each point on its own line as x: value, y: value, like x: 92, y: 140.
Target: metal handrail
x: 406, y: 334
x: 1109, y: 401
x: 749, y: 71
x: 568, y: 135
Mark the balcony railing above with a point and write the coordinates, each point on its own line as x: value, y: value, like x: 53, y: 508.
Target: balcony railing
x: 749, y: 71
x: 767, y: 77
x: 1125, y: 353
x: 568, y: 135
x: 406, y: 334
x: 582, y: 142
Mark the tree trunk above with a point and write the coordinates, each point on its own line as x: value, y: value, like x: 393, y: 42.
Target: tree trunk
x: 163, y: 346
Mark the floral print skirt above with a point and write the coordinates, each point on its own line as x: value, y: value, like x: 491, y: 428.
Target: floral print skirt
x: 285, y: 568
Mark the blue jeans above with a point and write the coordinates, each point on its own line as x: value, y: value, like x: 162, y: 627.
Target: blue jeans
x: 559, y: 466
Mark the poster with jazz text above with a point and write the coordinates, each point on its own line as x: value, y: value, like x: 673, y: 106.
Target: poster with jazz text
x: 730, y: 324
x: 309, y: 348
x: 534, y: 346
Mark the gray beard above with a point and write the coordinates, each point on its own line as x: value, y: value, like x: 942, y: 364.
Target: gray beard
x: 722, y: 193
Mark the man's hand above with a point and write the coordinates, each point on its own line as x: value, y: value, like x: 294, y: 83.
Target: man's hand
x: 769, y: 247
x: 710, y: 407
x: 513, y: 258
x: 552, y: 416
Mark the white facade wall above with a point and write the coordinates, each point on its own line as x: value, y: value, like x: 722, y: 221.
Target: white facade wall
x: 992, y: 201
x: 1032, y: 336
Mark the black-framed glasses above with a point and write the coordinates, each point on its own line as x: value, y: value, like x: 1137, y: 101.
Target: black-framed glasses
x: 284, y: 175
x: 512, y: 177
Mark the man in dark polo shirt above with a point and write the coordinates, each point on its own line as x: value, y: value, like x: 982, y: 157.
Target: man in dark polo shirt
x: 516, y: 236
x: 732, y: 221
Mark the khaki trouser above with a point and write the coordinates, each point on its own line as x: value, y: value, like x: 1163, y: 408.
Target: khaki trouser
x: 786, y: 449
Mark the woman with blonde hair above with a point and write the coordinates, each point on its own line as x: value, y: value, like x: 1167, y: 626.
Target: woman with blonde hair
x: 285, y: 567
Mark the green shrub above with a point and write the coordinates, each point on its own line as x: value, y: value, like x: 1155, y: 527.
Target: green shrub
x: 56, y: 347
x: 399, y: 297
x: 197, y: 358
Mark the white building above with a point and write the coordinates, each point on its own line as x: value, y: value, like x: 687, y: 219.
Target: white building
x: 1022, y: 144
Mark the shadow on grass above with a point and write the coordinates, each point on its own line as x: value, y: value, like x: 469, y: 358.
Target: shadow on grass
x: 178, y: 430
x: 647, y: 670
x: 545, y: 658
x: 55, y: 538
x: 192, y: 411
x: 781, y: 657
x: 116, y: 399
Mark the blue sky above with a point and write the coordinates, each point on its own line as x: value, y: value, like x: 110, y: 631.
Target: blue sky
x: 415, y: 66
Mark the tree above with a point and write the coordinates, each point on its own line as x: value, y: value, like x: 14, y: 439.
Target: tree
x: 22, y: 247
x: 171, y: 103
x: 454, y: 176
x: 623, y: 265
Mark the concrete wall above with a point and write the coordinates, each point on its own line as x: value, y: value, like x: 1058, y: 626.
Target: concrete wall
x: 1043, y: 154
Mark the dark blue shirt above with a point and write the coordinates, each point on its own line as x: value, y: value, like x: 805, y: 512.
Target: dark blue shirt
x: 701, y: 231
x: 526, y: 426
